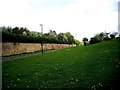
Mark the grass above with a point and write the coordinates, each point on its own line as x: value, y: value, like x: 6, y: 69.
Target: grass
x: 92, y: 67
x: 23, y: 55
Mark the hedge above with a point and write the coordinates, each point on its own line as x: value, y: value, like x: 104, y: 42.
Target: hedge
x: 8, y: 37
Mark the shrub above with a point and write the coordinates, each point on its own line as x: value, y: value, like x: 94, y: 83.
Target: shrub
x: 94, y: 40
x: 23, y: 35
x: 106, y: 39
x: 7, y: 37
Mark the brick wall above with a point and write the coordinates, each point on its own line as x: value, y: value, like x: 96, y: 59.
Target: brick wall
x: 17, y: 48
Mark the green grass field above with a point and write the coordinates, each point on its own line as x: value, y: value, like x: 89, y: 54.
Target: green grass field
x: 94, y: 67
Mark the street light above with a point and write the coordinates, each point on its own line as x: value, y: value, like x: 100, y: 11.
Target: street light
x: 42, y: 36
x: 76, y: 36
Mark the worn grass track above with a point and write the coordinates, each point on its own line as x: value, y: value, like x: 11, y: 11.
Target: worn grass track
x: 91, y: 67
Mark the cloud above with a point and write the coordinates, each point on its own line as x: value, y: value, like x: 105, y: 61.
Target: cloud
x: 36, y: 4
x: 82, y: 17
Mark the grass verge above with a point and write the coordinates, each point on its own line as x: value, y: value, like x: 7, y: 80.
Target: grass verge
x: 92, y: 67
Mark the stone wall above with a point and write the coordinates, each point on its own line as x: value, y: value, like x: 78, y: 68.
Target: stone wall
x: 17, y: 48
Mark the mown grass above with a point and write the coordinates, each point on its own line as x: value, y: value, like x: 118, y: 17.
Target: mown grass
x: 92, y: 67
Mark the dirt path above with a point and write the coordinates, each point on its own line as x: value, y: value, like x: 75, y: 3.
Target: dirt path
x: 9, y: 58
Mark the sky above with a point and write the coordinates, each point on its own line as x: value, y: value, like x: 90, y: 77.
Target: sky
x: 82, y: 18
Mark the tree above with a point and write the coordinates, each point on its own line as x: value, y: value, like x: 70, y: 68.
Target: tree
x: 94, y: 40
x: 85, y: 40
x: 20, y: 34
x: 62, y: 38
x: 69, y: 37
x: 20, y: 30
x: 16, y: 30
x: 35, y: 34
x: 78, y: 43
x: 113, y: 35
x: 100, y: 37
x: 53, y: 34
x: 6, y: 29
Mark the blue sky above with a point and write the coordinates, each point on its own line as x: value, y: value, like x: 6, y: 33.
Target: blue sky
x: 82, y: 18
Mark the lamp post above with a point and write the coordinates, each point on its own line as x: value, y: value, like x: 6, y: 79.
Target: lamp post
x: 76, y: 36
x: 42, y: 36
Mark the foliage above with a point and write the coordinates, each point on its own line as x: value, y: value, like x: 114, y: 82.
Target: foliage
x: 85, y: 40
x: 94, y: 40
x: 100, y: 36
x: 34, y: 34
x: 103, y: 36
x: 62, y: 37
x: 8, y: 37
x: 113, y: 35
x: 20, y: 34
x: 69, y: 37
x: 78, y: 43
x: 106, y: 39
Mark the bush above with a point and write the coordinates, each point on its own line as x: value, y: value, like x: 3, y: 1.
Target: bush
x: 112, y: 36
x: 94, y: 40
x: 23, y: 35
x: 7, y: 37
x: 106, y: 39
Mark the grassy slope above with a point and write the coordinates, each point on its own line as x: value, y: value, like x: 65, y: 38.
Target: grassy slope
x: 94, y: 66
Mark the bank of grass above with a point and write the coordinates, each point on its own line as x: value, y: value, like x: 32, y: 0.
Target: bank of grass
x: 92, y: 67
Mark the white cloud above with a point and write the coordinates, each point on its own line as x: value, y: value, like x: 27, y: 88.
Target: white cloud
x: 84, y: 18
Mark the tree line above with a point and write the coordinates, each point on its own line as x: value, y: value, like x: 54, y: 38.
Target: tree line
x: 23, y: 35
x: 103, y: 36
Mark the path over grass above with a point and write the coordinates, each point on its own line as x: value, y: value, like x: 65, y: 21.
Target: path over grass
x: 92, y: 67
x: 24, y: 55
